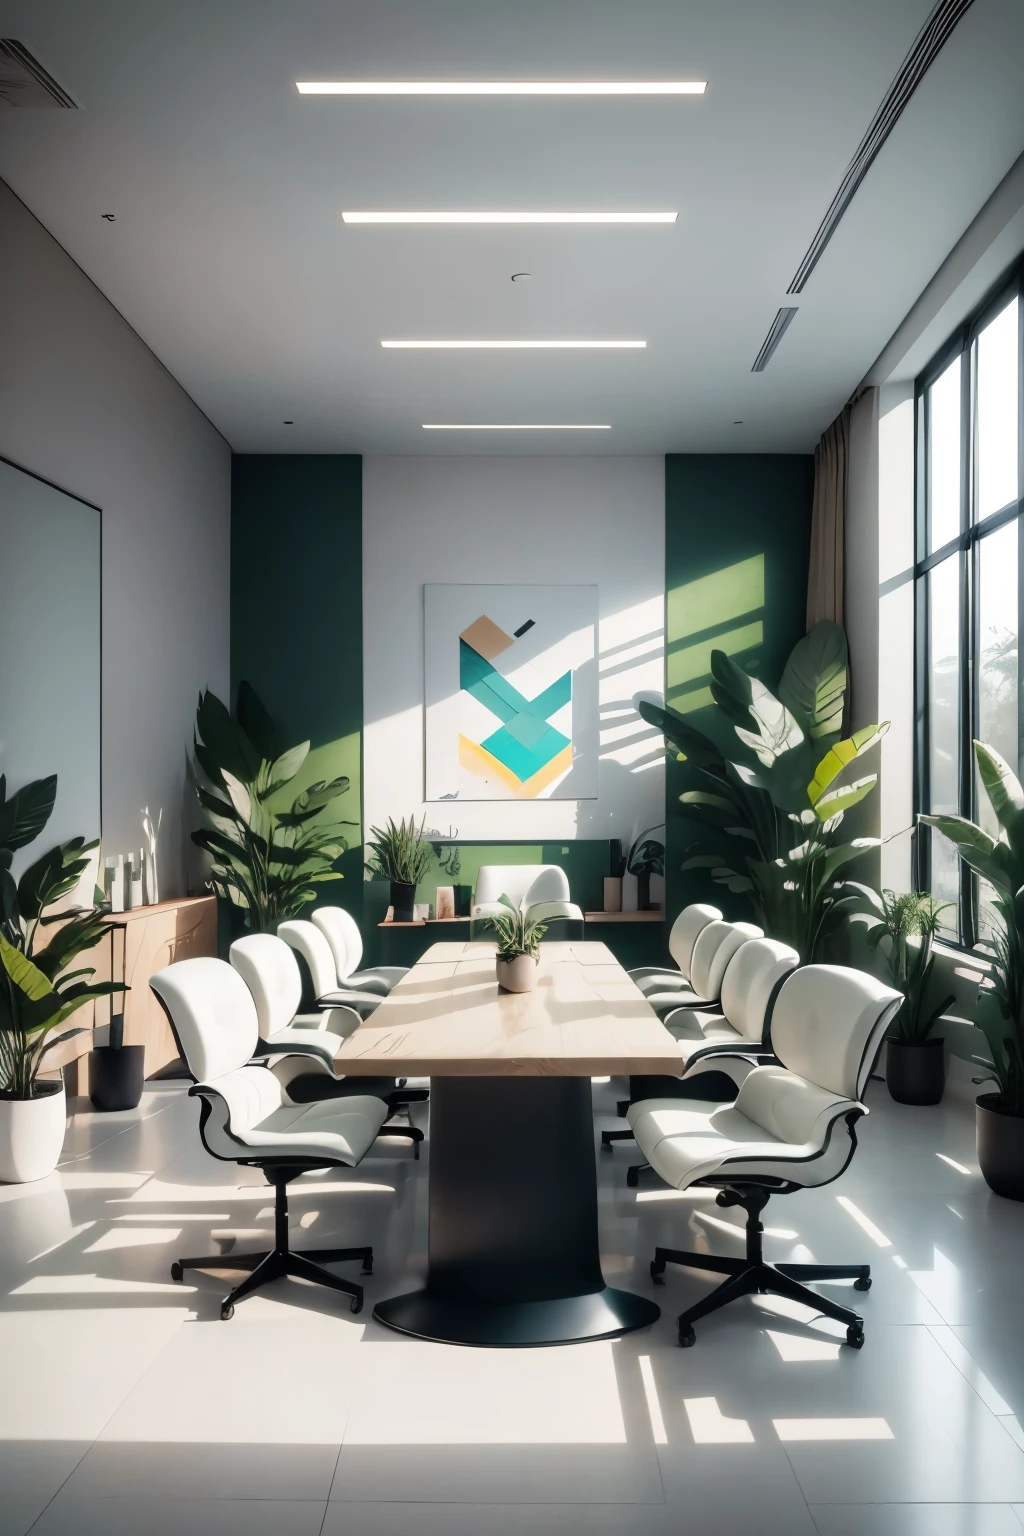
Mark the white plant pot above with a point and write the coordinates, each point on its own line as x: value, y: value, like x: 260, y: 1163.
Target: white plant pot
x: 31, y: 1137
x: 518, y: 975
x: 630, y: 897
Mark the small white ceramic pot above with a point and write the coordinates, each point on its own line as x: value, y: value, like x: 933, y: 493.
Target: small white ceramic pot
x: 31, y: 1136
x: 612, y: 893
x: 518, y: 975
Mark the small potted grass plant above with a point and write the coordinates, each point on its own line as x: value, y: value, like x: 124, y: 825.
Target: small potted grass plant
x: 518, y: 938
x: 915, y: 1070
x: 402, y: 855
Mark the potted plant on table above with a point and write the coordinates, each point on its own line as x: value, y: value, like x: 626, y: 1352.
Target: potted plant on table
x: 518, y: 937
x: 38, y: 988
x: 402, y: 855
x: 915, y: 1070
x: 999, y: 861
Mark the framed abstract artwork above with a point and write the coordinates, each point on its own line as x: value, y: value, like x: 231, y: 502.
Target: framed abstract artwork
x: 510, y: 689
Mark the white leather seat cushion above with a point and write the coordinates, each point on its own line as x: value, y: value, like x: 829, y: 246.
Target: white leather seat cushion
x: 662, y: 981
x: 342, y: 997
x: 263, y: 1118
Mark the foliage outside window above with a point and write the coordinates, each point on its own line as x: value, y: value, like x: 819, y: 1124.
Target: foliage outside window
x: 968, y: 589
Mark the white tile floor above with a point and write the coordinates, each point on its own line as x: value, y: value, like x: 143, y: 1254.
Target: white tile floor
x: 126, y: 1406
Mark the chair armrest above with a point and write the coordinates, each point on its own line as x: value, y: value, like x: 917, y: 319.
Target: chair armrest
x: 550, y: 911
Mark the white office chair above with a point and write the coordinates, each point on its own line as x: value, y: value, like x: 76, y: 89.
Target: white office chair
x: 310, y: 943
x: 741, y: 1032
x: 341, y: 931
x: 541, y: 890
x: 713, y: 949
x: 270, y: 970
x: 681, y: 939
x: 791, y: 1127
x: 249, y: 1117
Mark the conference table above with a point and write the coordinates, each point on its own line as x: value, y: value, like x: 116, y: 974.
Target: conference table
x: 513, y: 1254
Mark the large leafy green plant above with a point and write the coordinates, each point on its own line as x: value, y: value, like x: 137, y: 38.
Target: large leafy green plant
x: 1000, y: 862
x: 38, y: 991
x: 767, y: 774
x: 267, y: 861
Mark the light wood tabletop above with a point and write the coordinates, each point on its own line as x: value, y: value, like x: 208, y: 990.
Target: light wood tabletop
x: 449, y: 1018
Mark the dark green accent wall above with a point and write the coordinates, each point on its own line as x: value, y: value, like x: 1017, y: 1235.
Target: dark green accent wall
x: 737, y: 545
x: 297, y: 615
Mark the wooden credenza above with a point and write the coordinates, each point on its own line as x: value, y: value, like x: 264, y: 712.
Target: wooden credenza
x: 145, y: 940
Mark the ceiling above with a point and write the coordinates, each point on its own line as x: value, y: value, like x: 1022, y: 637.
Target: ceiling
x: 229, y: 257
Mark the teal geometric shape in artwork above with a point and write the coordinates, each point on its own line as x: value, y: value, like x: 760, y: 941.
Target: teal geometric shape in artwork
x: 526, y: 742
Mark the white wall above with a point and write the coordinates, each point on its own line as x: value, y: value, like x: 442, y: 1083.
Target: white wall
x: 85, y: 404
x: 529, y: 520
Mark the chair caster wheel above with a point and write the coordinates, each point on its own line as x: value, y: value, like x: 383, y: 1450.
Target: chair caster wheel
x: 687, y: 1338
x: 863, y: 1284
x: 855, y: 1336
x: 177, y: 1273
x: 606, y: 1145
x: 357, y: 1304
x: 633, y: 1177
x: 227, y: 1312
x: 657, y: 1270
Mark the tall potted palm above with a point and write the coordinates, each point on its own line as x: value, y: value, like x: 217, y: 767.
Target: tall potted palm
x: 40, y: 987
x: 999, y: 861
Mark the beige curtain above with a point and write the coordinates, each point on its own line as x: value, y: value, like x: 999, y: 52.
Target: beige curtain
x: 828, y: 519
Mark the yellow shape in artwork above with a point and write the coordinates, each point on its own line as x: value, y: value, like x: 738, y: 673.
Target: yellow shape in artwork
x: 484, y: 765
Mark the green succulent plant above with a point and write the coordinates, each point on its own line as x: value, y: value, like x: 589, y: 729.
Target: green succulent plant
x: 906, y: 928
x: 38, y: 988
x: 1000, y: 862
x: 268, y: 862
x: 399, y: 852
x: 517, y: 933
x: 768, y: 771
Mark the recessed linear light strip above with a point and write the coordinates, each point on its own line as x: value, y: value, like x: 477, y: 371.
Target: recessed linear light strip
x: 501, y: 87
x: 518, y: 345
x: 516, y: 426
x: 353, y: 216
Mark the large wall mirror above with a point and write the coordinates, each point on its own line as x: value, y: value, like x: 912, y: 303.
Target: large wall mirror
x: 50, y: 619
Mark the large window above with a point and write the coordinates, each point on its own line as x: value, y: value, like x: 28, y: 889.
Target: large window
x: 968, y: 589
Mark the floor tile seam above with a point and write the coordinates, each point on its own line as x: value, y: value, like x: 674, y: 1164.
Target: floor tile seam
x: 56, y: 1492
x: 990, y: 1411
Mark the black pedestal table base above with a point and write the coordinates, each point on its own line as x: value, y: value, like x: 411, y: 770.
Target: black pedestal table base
x: 513, y: 1242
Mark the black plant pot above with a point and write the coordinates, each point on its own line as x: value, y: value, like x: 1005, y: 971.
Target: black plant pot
x: 1000, y: 1147
x: 643, y: 891
x: 116, y: 1076
x: 463, y: 900
x: 403, y: 900
x: 915, y: 1071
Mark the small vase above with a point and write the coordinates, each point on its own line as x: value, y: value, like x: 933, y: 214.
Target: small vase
x: 612, y: 893
x: 1000, y: 1147
x: 463, y: 900
x: 116, y: 1076
x: 32, y: 1134
x: 629, y: 893
x: 518, y: 975
x: 915, y: 1071
x: 643, y: 891
x: 403, y: 901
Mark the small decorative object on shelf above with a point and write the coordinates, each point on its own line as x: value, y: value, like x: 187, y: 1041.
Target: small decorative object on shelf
x: 630, y: 893
x: 113, y: 882
x: 613, y: 893
x: 518, y: 938
x: 421, y: 912
x: 444, y: 903
x: 133, y: 881
x: 646, y: 858
x: 150, y: 880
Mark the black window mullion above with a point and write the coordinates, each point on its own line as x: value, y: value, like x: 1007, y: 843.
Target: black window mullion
x: 968, y: 627
x: 921, y: 845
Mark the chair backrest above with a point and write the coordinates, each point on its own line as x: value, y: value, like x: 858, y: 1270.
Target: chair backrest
x: 270, y: 970
x: 750, y: 981
x: 341, y: 931
x: 716, y: 944
x: 828, y: 1024
x: 308, y: 941
x: 685, y: 931
x: 529, y: 883
x: 212, y: 1013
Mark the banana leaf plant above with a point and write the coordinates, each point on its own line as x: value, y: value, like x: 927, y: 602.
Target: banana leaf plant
x: 1000, y: 862
x: 38, y: 989
x: 767, y: 774
x: 268, y: 862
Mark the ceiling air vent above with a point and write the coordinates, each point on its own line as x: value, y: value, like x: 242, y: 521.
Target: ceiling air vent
x: 779, y: 327
x: 927, y: 46
x: 24, y: 82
